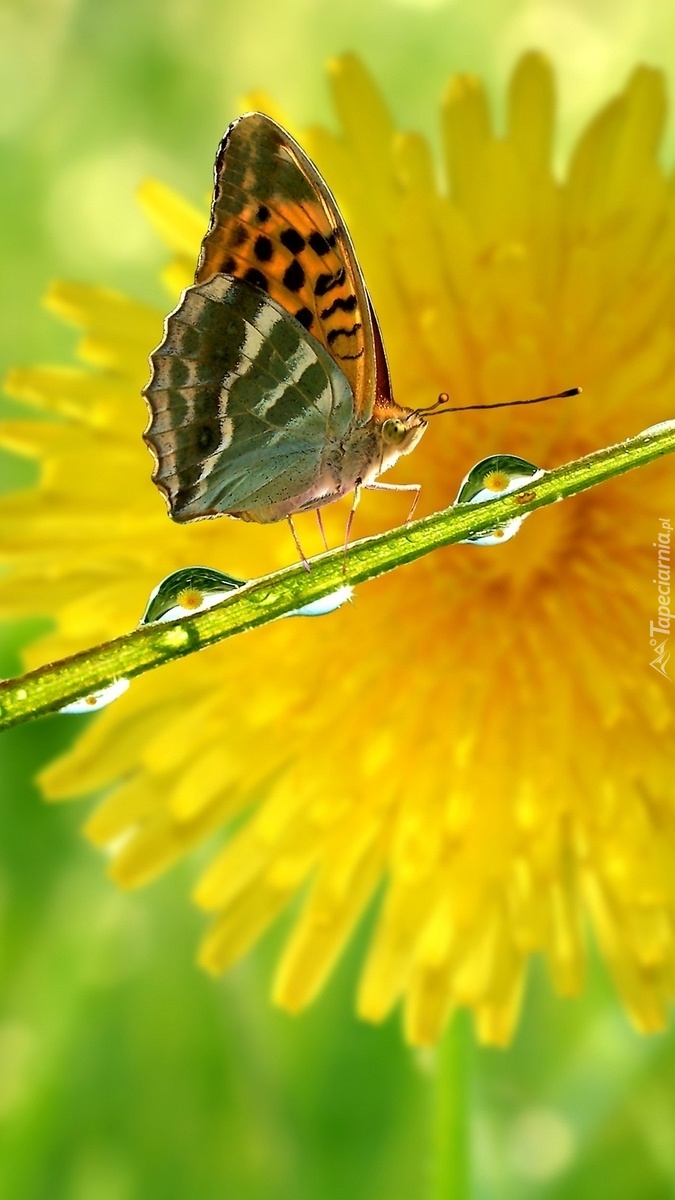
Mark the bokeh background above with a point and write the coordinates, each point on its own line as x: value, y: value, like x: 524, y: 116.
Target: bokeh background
x: 125, y: 1072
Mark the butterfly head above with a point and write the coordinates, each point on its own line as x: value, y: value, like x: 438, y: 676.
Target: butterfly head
x: 402, y: 428
x: 400, y: 431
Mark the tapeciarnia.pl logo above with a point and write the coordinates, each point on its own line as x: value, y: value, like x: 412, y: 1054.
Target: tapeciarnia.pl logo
x: 661, y: 626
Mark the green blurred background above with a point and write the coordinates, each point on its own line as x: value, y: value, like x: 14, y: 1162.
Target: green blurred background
x: 125, y: 1072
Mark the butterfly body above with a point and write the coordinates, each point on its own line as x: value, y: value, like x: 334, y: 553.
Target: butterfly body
x: 270, y: 392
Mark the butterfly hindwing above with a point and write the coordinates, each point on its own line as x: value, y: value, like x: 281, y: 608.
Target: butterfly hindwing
x: 243, y: 404
x: 275, y: 225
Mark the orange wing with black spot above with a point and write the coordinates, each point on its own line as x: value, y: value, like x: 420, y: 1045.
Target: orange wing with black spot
x: 275, y: 224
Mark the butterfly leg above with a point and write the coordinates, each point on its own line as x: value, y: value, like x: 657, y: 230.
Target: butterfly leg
x: 321, y: 528
x: 350, y: 521
x: 296, y: 539
x: 398, y: 487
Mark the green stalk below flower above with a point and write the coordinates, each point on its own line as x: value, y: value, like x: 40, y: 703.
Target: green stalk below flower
x: 451, y: 1167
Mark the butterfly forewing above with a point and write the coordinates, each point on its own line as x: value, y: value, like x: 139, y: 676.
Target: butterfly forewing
x: 242, y: 404
x: 270, y: 388
x: 275, y: 225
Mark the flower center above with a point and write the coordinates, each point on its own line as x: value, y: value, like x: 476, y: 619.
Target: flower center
x: 190, y: 598
x: 496, y: 481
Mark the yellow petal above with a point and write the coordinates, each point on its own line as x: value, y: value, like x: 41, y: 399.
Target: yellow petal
x: 178, y: 223
x: 531, y: 112
x: 320, y: 936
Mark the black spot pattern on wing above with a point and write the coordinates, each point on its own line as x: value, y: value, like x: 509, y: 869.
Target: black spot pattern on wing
x: 346, y: 304
x: 294, y: 277
x: 320, y: 245
x: 305, y: 316
x: 263, y: 249
x: 266, y: 185
x: 343, y: 333
x: 293, y: 241
x: 256, y: 277
x: 326, y: 283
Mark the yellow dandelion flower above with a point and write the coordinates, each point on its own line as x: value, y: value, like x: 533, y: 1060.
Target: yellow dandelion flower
x: 479, y: 736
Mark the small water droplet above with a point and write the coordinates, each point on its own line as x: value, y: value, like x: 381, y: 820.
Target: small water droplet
x: 327, y: 604
x: 495, y: 537
x: 96, y: 700
x: 660, y: 427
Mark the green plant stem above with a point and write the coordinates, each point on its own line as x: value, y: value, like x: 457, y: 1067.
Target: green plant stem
x: 50, y: 687
x: 452, y: 1160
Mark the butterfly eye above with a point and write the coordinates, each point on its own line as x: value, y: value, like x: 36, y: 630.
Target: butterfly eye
x: 393, y: 430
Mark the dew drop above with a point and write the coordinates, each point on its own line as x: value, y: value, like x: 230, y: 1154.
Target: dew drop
x: 194, y: 589
x: 660, y: 427
x: 496, y: 476
x: 495, y: 537
x: 96, y: 700
x: 327, y: 604
x: 188, y: 591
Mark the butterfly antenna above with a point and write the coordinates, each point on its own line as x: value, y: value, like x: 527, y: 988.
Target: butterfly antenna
x: 440, y: 407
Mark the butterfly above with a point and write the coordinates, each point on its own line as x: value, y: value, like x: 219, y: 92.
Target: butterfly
x: 270, y: 392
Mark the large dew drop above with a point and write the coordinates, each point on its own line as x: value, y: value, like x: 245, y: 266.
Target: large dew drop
x: 194, y: 589
x: 492, y: 477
